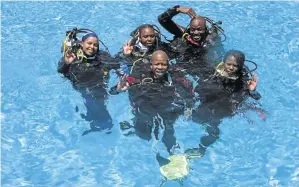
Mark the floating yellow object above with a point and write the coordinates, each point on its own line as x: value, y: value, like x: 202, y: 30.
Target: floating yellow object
x: 177, y: 168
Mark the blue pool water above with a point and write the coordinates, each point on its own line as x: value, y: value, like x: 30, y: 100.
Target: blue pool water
x: 41, y: 123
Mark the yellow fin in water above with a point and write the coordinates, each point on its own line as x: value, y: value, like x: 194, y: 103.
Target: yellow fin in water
x: 177, y: 168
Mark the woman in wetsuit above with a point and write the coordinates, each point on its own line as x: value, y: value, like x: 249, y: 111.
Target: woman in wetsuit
x: 221, y: 94
x: 87, y: 67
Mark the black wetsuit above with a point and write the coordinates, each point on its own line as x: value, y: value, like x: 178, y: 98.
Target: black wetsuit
x: 140, y: 53
x: 158, y: 104
x: 140, y: 57
x: 219, y: 98
x: 89, y: 78
x: 180, y: 43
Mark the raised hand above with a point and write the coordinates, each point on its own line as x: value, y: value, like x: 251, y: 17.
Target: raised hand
x: 123, y: 84
x: 69, y: 57
x: 127, y: 48
x: 187, y: 10
x: 252, y: 84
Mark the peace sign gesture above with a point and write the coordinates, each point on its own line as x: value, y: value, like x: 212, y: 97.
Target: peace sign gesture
x: 127, y: 48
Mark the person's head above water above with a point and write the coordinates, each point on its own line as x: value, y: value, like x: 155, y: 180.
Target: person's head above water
x: 233, y: 62
x: 90, y: 44
x: 147, y: 35
x: 197, y: 28
x: 159, y: 63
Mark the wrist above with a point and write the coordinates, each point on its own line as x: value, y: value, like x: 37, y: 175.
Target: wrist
x: 251, y: 89
x: 118, y: 89
x: 114, y: 90
x: 67, y: 62
x: 251, y: 92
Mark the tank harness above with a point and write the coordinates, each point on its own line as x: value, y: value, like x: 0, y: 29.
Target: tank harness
x: 247, y: 71
x: 149, y: 80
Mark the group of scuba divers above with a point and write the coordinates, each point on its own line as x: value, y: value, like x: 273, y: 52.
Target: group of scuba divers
x: 164, y: 79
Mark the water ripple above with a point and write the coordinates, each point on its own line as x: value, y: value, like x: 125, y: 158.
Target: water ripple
x: 41, y: 123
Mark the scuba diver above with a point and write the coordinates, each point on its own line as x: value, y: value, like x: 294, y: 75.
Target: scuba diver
x: 145, y: 40
x: 137, y: 52
x: 84, y: 53
x: 196, y: 38
x: 86, y: 66
x: 233, y: 75
x: 221, y: 94
x: 158, y: 98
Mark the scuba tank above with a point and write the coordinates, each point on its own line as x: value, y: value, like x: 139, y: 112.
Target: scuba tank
x: 72, y: 43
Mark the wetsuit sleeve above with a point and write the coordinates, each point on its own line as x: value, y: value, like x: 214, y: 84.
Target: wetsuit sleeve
x: 113, y: 90
x: 62, y: 66
x: 255, y: 94
x: 165, y: 19
x: 111, y: 65
x: 185, y: 90
x: 120, y: 55
x: 108, y: 61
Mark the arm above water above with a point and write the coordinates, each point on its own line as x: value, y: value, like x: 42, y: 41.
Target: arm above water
x: 62, y: 66
x: 109, y: 62
x: 251, y: 86
x: 65, y: 62
x: 165, y: 19
x: 121, y: 86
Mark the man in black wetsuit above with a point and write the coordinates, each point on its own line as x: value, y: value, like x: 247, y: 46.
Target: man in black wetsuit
x: 193, y: 40
x: 158, y: 98
x: 195, y: 46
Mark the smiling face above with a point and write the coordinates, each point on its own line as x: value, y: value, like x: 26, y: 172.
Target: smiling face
x: 231, y: 65
x: 159, y: 64
x: 90, y: 46
x: 147, y: 37
x: 197, y: 28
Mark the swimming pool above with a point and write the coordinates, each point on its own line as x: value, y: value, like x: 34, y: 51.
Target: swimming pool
x: 41, y: 125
